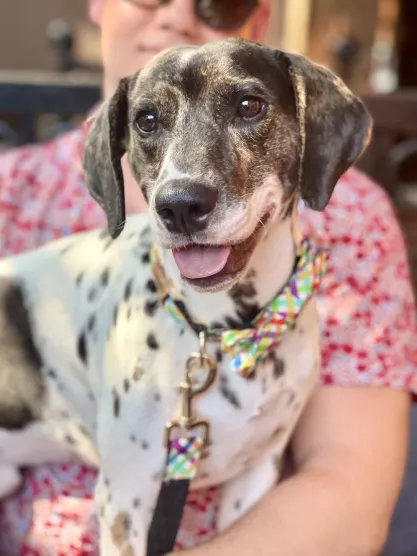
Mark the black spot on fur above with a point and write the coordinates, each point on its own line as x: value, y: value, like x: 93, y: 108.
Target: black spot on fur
x: 18, y: 317
x: 82, y: 348
x: 91, y: 323
x: 145, y: 445
x: 133, y: 438
x: 128, y: 290
x: 244, y: 317
x: 238, y: 505
x: 136, y: 503
x: 241, y: 291
x: 151, y: 307
x: 279, y: 365
x: 157, y: 397
x: 246, y: 310
x: 151, y: 286
x: 66, y: 249
x: 116, y: 403
x: 129, y: 313
x: 69, y: 439
x: 182, y: 332
x: 127, y: 522
x: 152, y: 342
x: 115, y: 315
x: 79, y: 278
x: 92, y: 294
x: 146, y: 257
x: 126, y: 385
x: 22, y: 386
x: 51, y: 374
x: 219, y: 355
x: 228, y: 393
x: 138, y: 373
x: 104, y: 278
x: 83, y: 430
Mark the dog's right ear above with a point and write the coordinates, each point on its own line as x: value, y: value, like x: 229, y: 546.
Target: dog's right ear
x: 105, y: 147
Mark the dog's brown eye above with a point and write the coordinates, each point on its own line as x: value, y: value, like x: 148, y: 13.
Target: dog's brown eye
x: 146, y: 122
x: 250, y: 107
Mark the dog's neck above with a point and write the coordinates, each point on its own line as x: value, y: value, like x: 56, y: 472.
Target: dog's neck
x: 271, y: 266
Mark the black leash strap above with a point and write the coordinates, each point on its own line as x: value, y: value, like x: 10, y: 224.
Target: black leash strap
x: 167, y: 517
x: 184, y: 450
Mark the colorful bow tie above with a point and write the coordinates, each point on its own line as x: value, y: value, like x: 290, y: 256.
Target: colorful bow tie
x: 250, y: 346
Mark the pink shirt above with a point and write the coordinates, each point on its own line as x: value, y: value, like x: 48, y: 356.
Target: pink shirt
x: 366, y: 307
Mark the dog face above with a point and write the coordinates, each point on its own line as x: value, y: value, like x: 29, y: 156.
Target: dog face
x: 222, y: 139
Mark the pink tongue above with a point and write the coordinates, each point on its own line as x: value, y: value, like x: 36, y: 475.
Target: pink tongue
x: 197, y: 261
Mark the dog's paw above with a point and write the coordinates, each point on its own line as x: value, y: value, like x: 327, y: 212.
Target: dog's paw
x: 10, y: 480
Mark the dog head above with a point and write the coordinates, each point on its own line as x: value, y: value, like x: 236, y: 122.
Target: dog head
x: 222, y: 139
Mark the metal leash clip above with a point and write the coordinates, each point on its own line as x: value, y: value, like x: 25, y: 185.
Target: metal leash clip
x: 188, y: 389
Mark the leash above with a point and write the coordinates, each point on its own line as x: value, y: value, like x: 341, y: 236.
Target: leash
x: 187, y: 437
x: 183, y: 455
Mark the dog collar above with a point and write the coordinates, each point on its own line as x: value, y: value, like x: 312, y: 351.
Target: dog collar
x: 249, y: 346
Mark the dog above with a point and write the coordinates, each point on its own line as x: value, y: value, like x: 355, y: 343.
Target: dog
x: 224, y: 141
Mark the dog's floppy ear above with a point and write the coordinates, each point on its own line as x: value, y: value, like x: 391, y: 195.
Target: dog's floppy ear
x: 334, y: 124
x: 105, y: 147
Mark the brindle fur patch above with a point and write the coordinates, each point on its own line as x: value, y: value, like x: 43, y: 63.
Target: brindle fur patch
x: 120, y: 529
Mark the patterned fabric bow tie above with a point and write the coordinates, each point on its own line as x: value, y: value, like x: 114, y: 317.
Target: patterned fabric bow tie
x: 250, y: 346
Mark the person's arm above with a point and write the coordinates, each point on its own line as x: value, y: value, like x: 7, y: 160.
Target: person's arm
x: 350, y: 450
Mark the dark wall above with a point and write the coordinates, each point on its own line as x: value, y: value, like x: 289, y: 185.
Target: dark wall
x: 23, y: 23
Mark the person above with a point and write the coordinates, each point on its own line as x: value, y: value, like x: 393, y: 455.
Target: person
x: 349, y: 448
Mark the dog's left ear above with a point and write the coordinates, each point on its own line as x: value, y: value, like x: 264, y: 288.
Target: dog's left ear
x: 105, y: 147
x: 334, y: 124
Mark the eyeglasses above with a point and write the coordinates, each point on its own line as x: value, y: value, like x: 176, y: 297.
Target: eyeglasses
x: 226, y: 15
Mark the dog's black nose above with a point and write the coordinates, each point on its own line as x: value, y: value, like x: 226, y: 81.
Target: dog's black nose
x: 186, y: 208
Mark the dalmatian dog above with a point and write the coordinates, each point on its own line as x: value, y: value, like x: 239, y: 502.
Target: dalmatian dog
x: 224, y: 141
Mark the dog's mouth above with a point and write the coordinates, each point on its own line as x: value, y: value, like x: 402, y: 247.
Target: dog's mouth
x: 213, y: 267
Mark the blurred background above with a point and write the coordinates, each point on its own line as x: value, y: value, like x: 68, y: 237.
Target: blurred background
x: 50, y: 77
